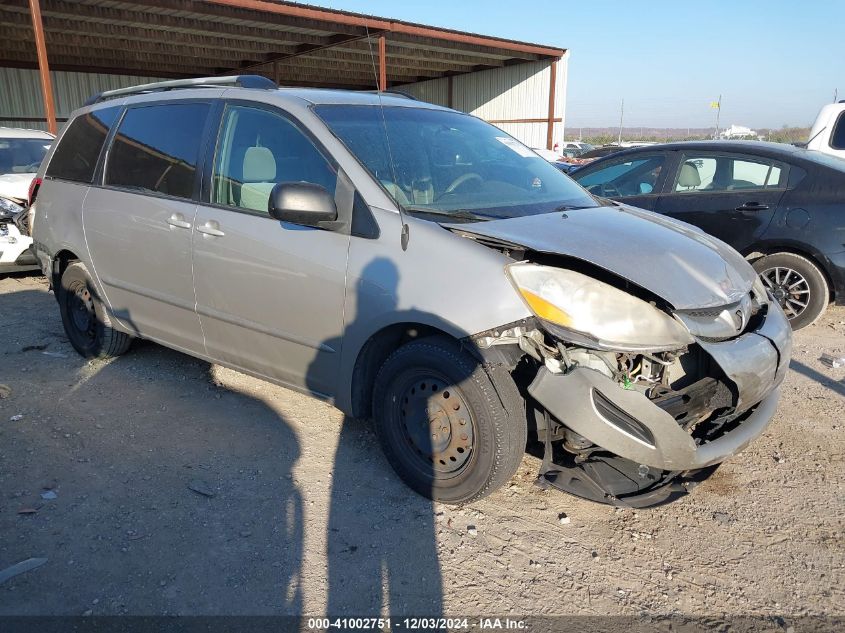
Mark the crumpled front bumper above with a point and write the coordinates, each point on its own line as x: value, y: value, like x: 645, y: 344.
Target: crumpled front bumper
x: 628, y: 424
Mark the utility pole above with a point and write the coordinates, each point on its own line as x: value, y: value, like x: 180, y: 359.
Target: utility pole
x: 621, y: 116
x: 835, y: 95
x: 718, y: 112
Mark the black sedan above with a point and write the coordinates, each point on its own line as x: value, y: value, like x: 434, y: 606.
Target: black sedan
x: 781, y: 206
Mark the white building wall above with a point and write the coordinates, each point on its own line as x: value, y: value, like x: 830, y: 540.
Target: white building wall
x: 432, y: 91
x: 504, y: 94
x: 513, y: 92
x: 20, y: 93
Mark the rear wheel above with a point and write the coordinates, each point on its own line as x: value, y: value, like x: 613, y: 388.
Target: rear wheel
x: 442, y: 424
x: 797, y: 284
x: 84, y: 317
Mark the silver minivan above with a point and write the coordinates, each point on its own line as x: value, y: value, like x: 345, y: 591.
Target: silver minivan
x: 416, y: 266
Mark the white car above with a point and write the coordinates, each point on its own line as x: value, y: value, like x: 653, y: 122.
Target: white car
x: 579, y: 145
x: 828, y: 132
x: 21, y: 152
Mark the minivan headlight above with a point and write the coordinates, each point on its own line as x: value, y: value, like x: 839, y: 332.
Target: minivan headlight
x: 593, y: 312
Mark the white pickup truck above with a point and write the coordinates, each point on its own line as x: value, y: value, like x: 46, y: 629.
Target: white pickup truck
x: 828, y: 132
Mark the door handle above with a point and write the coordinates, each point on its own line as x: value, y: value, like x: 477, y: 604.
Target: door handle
x: 211, y: 228
x: 752, y: 206
x: 178, y: 220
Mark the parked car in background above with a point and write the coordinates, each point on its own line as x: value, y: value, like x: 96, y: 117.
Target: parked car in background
x: 417, y: 266
x: 782, y: 207
x: 554, y: 155
x: 566, y: 165
x: 563, y: 159
x: 828, y: 132
x: 581, y: 146
x: 21, y: 153
x: 589, y: 156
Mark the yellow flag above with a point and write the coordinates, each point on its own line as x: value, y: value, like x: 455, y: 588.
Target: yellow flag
x: 715, y: 105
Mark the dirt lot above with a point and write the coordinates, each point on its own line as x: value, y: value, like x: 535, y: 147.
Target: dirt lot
x: 306, y: 516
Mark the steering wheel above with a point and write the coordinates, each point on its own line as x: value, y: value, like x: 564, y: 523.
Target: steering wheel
x: 605, y: 189
x: 457, y: 182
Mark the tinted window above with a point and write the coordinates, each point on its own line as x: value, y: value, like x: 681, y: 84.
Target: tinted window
x: 725, y: 173
x: 837, y: 137
x: 258, y: 149
x: 76, y: 156
x: 157, y: 147
x: 632, y: 177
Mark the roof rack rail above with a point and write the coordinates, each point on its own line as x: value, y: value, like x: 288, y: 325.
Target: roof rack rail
x: 240, y: 81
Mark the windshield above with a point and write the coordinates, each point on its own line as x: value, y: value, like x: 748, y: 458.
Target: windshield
x: 22, y: 155
x: 450, y: 164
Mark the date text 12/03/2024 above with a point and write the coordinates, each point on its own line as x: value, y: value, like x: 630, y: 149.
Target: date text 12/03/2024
x: 411, y: 624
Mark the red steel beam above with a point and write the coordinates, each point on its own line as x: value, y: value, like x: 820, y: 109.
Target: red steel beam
x: 43, y: 66
x: 551, y: 120
x: 407, y: 28
x: 382, y: 63
x: 543, y: 120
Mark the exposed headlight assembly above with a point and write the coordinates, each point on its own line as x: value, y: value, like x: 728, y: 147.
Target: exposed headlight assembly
x: 9, y: 209
x: 589, y: 312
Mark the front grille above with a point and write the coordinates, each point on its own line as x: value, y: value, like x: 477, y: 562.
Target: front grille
x: 703, y: 314
x: 721, y: 323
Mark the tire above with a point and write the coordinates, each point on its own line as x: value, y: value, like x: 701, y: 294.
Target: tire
x: 84, y: 317
x: 432, y: 387
x: 804, y: 281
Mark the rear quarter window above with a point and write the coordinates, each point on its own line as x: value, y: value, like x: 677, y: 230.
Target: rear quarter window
x: 79, y: 148
x: 837, y: 137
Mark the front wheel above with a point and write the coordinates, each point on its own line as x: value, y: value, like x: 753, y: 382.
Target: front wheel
x: 797, y: 284
x: 86, y: 323
x: 442, y: 423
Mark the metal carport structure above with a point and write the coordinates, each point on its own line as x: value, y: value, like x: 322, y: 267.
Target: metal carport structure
x: 84, y: 46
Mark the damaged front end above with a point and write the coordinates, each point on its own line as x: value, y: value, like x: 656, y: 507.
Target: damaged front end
x: 636, y: 401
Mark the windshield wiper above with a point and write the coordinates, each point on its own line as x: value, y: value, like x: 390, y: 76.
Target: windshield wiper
x: 572, y: 207
x: 460, y: 214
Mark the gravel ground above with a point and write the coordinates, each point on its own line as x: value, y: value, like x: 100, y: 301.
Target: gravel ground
x: 186, y: 488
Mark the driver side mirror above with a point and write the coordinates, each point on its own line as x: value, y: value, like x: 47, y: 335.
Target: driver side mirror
x: 302, y: 203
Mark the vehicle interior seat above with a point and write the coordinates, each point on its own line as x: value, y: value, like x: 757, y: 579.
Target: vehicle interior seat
x: 689, y: 177
x: 742, y: 184
x: 259, y: 178
x: 396, y: 192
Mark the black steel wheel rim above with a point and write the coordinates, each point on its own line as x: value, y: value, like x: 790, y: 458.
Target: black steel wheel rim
x: 436, y: 426
x: 789, y: 288
x: 81, y: 312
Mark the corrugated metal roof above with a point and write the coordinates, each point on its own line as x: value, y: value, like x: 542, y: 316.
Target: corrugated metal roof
x: 292, y: 43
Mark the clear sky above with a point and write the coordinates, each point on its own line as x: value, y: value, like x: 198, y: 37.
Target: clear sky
x: 774, y: 62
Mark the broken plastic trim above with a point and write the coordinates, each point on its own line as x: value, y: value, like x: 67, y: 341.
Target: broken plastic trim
x: 621, y: 420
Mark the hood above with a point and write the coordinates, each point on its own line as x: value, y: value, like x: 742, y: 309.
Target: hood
x: 673, y: 260
x: 15, y: 186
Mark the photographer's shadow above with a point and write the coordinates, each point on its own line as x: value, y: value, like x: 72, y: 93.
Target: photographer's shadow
x: 381, y: 541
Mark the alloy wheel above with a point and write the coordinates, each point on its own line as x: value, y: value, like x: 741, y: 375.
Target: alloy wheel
x: 789, y: 288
